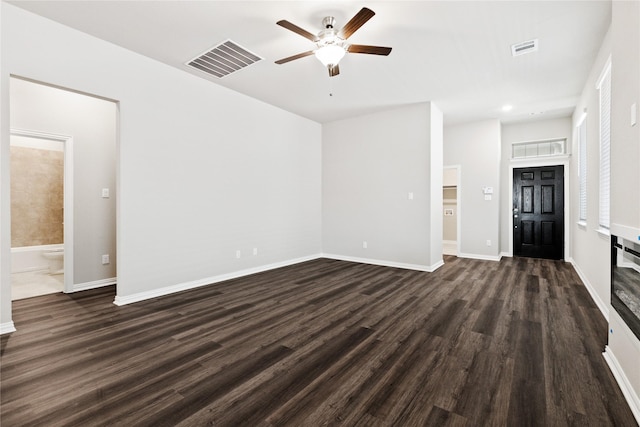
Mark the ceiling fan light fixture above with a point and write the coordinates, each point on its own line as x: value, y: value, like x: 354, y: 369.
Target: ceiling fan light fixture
x: 331, y: 44
x: 330, y: 54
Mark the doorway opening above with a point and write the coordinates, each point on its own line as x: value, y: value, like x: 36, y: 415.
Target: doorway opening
x: 41, y: 205
x: 451, y: 210
x: 77, y: 244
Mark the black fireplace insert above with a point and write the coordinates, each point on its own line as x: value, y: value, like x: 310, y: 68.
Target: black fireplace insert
x: 625, y: 281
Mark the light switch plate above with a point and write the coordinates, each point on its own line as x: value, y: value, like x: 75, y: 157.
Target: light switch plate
x: 634, y: 114
x: 105, y: 193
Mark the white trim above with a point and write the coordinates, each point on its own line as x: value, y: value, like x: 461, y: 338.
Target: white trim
x: 533, y: 163
x: 604, y: 308
x: 626, y: 232
x: 623, y: 381
x: 383, y: 263
x: 505, y: 255
x: 482, y: 257
x: 67, y: 194
x: 7, y: 328
x: 167, y: 290
x: 582, y: 224
x: 94, y: 284
x: 603, y: 232
x: 525, y: 162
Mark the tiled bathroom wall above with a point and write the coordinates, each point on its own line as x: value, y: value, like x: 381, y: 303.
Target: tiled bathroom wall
x: 36, y: 196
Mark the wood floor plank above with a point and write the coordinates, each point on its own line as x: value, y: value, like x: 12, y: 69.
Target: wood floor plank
x: 324, y: 342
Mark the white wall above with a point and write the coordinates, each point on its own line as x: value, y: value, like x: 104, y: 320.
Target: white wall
x: 203, y: 171
x: 590, y: 250
x: 476, y: 148
x: 370, y: 164
x: 625, y: 139
x: 92, y: 124
x: 525, y: 132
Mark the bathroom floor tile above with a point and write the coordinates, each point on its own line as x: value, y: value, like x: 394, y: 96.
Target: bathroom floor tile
x: 35, y: 283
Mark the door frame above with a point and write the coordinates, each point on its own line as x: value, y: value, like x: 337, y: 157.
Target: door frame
x: 541, y: 162
x: 67, y: 192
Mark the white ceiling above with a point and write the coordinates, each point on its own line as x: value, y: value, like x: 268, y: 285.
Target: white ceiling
x: 456, y: 54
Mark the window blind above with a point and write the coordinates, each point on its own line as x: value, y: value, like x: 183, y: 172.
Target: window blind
x: 605, y: 147
x: 582, y: 169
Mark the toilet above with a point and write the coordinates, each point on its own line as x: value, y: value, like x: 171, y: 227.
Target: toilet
x: 56, y: 260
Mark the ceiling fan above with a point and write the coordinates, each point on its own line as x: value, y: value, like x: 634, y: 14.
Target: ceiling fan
x: 332, y: 44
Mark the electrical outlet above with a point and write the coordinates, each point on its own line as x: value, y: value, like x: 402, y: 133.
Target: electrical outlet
x: 488, y: 242
x: 105, y: 259
x: 364, y: 245
x: 238, y: 253
x: 255, y: 251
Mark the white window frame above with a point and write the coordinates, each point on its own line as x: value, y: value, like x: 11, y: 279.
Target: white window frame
x: 604, y: 95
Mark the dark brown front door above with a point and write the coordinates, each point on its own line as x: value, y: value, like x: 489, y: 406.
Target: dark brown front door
x: 538, y: 212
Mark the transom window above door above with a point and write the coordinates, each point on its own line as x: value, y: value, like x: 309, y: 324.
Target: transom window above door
x: 546, y: 148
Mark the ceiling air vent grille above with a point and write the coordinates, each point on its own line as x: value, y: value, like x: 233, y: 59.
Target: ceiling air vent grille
x: 224, y: 59
x: 524, y: 47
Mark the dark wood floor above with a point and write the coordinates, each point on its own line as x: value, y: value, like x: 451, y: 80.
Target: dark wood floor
x: 514, y: 343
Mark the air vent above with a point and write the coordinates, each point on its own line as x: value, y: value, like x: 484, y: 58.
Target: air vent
x: 224, y: 59
x: 524, y: 47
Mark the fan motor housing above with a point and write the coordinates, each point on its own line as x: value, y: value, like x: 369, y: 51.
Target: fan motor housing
x: 329, y: 22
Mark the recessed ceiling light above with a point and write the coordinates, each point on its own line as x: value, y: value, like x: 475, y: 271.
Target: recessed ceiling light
x: 507, y: 107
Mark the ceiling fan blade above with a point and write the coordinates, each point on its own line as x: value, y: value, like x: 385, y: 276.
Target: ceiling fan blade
x: 371, y: 50
x: 356, y: 22
x: 334, y: 70
x: 291, y: 58
x: 293, y: 27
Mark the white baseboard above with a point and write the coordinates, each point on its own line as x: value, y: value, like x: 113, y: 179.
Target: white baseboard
x: 481, y: 257
x: 7, y: 328
x: 506, y: 255
x: 383, y: 263
x: 93, y: 285
x: 604, y: 308
x: 167, y: 290
x: 623, y: 381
